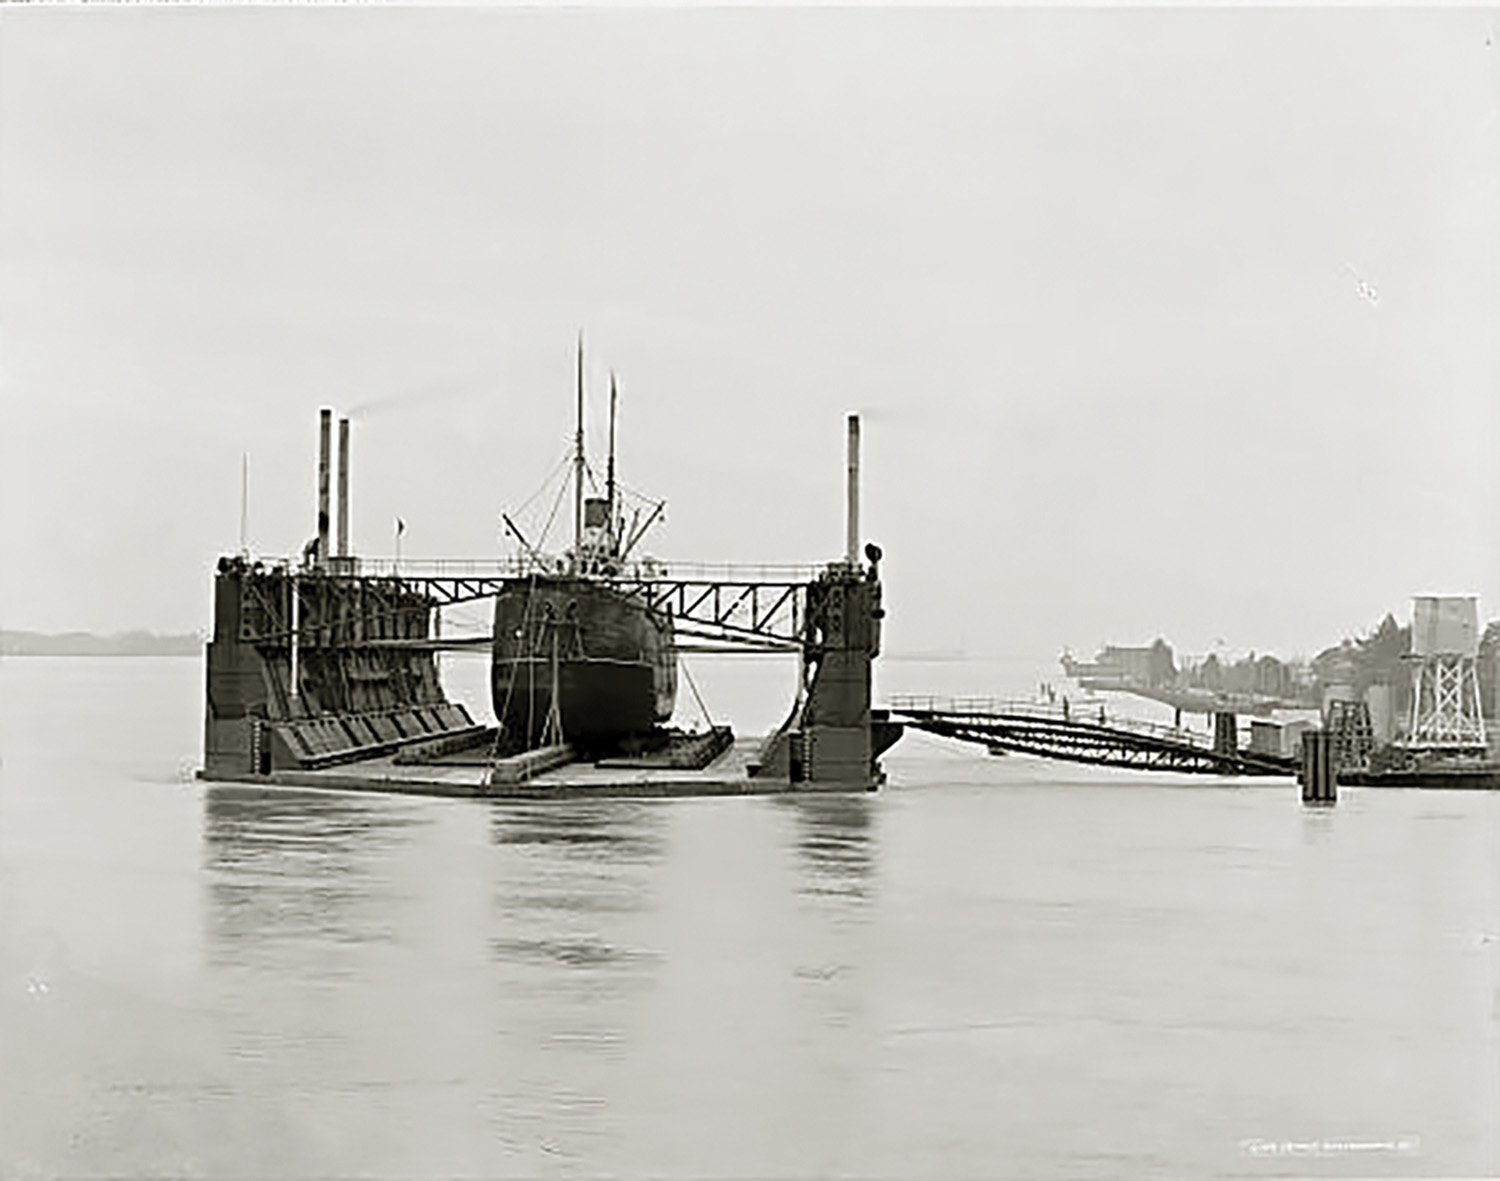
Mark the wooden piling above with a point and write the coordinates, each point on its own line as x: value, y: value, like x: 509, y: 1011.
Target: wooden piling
x: 1226, y: 734
x: 1319, y: 776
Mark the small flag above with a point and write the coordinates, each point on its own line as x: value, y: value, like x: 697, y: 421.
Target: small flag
x: 400, y: 526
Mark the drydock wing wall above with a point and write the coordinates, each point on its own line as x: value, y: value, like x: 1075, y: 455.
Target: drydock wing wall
x: 833, y: 736
x: 363, y: 684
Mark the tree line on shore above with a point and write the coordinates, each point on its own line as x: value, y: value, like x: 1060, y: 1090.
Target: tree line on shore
x: 131, y: 643
x: 1379, y: 657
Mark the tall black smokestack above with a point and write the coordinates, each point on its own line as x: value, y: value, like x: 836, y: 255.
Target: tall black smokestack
x: 851, y: 511
x: 325, y: 432
x: 343, y: 535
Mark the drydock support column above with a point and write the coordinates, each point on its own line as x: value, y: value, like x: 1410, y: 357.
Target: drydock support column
x: 843, y: 609
x: 833, y: 740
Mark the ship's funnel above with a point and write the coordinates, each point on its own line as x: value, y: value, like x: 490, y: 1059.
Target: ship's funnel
x: 851, y: 548
x: 343, y: 534
x: 325, y: 431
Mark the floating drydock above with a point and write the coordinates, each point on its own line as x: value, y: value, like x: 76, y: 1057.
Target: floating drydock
x: 736, y: 772
x: 324, y: 673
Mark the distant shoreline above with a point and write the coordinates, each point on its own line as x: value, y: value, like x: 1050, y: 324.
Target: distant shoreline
x: 145, y: 643
x: 132, y: 643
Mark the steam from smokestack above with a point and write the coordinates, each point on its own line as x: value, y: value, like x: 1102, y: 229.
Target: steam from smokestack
x: 456, y: 387
x: 325, y: 431
x: 343, y: 535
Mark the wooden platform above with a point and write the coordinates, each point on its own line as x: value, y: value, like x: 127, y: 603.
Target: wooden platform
x: 1481, y: 777
x: 726, y: 776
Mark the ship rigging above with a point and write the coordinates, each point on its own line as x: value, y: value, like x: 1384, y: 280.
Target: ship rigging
x: 577, y: 658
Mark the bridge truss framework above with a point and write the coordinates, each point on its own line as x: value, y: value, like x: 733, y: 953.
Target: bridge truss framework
x: 732, y: 614
x: 1057, y: 732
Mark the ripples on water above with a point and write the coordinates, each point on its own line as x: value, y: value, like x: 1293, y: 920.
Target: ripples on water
x: 994, y: 967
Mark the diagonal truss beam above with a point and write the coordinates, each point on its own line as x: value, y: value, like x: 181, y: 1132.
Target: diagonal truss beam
x: 738, y: 615
x: 1086, y: 742
x: 738, y: 610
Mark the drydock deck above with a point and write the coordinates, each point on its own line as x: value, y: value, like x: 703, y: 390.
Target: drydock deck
x: 728, y: 775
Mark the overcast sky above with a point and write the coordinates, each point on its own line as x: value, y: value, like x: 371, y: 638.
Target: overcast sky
x: 1170, y: 322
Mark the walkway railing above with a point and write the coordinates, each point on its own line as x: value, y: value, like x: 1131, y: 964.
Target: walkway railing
x: 991, y: 707
x: 518, y: 566
x: 1078, y: 734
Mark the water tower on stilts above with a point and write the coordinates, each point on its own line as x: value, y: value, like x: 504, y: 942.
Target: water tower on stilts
x: 1446, y: 715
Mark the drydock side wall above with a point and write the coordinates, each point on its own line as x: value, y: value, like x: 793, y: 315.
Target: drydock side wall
x: 832, y: 736
x: 358, y: 690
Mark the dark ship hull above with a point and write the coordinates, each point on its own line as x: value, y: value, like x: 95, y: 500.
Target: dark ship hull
x: 607, y: 659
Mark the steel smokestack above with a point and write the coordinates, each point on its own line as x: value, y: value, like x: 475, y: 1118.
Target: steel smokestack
x: 343, y: 535
x: 851, y: 549
x: 325, y: 432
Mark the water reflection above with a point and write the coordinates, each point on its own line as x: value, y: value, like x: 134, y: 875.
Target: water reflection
x: 835, y: 843
x: 290, y: 865
x: 937, y: 980
x: 626, y: 831
x: 573, y: 885
x: 1317, y: 825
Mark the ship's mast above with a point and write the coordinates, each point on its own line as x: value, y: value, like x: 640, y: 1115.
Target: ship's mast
x: 578, y: 466
x: 611, y: 474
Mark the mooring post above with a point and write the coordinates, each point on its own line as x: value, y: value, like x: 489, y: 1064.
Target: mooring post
x: 1226, y: 734
x: 1319, y: 777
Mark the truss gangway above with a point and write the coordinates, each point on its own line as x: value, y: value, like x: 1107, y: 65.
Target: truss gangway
x: 1077, y: 734
x: 715, y: 608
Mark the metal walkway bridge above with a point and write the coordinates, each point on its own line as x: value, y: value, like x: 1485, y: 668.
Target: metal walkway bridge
x: 714, y: 608
x: 1076, y: 735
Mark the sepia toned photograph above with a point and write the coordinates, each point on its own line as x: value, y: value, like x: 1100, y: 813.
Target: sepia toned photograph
x: 725, y: 592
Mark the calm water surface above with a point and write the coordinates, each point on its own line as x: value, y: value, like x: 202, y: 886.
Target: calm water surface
x: 994, y: 967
